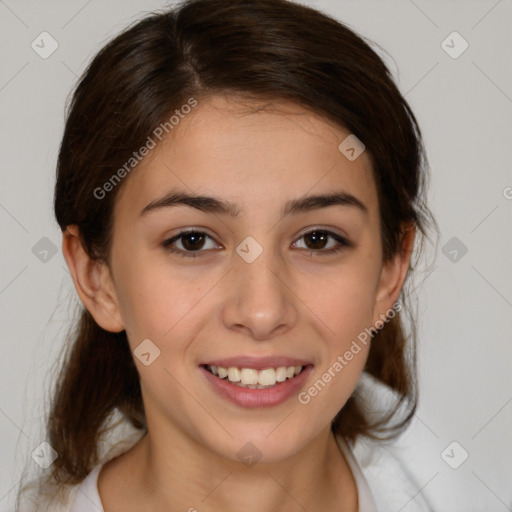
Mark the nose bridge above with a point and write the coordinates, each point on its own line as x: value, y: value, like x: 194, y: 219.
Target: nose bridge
x: 256, y: 268
x: 258, y: 298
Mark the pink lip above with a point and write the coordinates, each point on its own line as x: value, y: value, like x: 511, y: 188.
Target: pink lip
x: 258, y: 363
x: 252, y: 398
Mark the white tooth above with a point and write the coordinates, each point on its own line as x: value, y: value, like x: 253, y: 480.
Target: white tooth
x: 267, y: 377
x: 223, y: 372
x: 290, y: 371
x: 281, y: 374
x: 248, y: 376
x: 213, y: 369
x: 298, y: 369
x: 233, y: 374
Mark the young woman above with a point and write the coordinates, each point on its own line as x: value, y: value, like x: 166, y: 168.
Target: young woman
x: 240, y: 188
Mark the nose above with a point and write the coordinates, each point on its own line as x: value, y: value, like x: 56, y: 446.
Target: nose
x: 260, y: 299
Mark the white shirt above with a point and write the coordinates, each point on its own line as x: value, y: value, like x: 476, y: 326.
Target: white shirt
x: 383, y: 483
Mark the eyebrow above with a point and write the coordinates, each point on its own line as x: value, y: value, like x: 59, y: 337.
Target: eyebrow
x: 220, y: 206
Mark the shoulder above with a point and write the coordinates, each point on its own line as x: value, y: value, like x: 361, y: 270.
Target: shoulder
x: 392, y: 484
x: 82, y: 497
x: 86, y: 497
x: 41, y: 496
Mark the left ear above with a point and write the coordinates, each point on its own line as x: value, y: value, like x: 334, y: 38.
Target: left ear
x: 393, y: 274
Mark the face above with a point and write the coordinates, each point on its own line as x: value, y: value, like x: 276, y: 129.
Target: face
x: 260, y: 279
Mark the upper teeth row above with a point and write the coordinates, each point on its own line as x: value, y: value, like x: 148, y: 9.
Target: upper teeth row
x: 267, y: 377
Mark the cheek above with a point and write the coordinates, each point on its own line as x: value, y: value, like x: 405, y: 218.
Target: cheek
x: 343, y: 300
x: 157, y: 302
x: 345, y: 308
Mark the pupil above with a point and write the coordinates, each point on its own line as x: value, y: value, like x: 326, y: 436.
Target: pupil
x: 197, y: 239
x: 318, y: 237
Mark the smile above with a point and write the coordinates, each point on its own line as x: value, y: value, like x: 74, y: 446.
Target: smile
x: 252, y: 388
x: 254, y: 379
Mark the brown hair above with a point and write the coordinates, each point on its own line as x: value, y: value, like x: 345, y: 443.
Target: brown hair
x: 271, y: 50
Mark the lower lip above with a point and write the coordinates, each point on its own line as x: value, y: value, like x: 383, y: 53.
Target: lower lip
x: 252, y: 398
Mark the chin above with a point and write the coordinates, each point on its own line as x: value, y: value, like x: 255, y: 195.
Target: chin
x: 269, y: 445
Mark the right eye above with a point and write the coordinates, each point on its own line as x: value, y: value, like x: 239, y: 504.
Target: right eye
x: 190, y: 240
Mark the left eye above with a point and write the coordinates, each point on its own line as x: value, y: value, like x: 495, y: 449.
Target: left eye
x: 193, y: 241
x: 319, y: 237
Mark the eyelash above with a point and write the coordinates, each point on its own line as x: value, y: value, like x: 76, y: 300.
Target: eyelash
x: 342, y: 243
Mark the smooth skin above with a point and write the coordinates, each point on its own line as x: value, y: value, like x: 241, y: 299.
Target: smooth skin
x: 295, y: 300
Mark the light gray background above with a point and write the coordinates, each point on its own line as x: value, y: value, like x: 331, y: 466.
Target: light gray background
x: 464, y: 107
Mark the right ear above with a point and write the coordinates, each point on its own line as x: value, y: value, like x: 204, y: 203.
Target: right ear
x: 93, y: 282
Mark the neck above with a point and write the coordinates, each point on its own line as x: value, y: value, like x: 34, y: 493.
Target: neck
x: 183, y: 475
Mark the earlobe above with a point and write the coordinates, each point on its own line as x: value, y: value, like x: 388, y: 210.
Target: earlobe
x: 393, y: 274
x: 93, y: 282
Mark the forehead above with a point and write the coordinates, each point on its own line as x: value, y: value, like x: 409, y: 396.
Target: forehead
x: 256, y: 158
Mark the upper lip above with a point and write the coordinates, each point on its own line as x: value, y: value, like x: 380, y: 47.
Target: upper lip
x: 258, y: 363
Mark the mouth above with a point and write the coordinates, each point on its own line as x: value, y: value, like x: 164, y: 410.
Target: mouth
x: 252, y: 378
x: 251, y: 388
